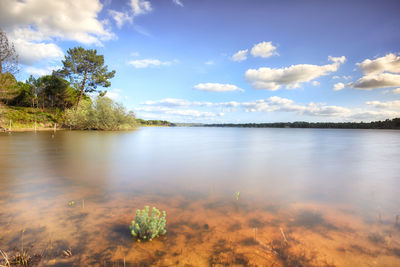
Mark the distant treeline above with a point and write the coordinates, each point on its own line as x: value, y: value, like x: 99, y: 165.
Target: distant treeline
x: 154, y: 122
x: 387, y: 124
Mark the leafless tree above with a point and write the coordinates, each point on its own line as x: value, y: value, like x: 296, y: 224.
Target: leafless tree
x: 8, y: 56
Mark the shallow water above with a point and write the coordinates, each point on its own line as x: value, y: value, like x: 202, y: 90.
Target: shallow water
x: 313, y: 197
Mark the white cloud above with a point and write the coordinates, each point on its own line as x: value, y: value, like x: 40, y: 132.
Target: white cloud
x: 276, y: 104
x: 115, y: 94
x: 342, y: 77
x: 374, y: 81
x: 340, y: 60
x: 210, y: 62
x: 389, y: 63
x: 178, y: 2
x: 315, y: 83
x: 31, y: 52
x: 70, y: 20
x: 290, y: 77
x: 240, y: 55
x: 34, y: 25
x: 179, y: 112
x: 41, y: 71
x: 135, y: 54
x: 145, y: 63
x: 217, y: 87
x: 338, y: 86
x: 140, y: 7
x: 120, y: 17
x: 137, y: 7
x: 175, y: 102
x: 379, y: 73
x: 264, y: 50
x: 396, y: 91
x: 395, y: 104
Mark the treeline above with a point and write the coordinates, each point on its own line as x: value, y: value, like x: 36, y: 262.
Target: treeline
x: 49, y: 91
x: 155, y: 123
x: 386, y: 124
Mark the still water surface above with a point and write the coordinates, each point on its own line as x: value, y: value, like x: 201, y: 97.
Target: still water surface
x: 312, y: 197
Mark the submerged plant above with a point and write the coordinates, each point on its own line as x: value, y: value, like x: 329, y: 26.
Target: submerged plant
x: 237, y: 194
x: 147, y: 226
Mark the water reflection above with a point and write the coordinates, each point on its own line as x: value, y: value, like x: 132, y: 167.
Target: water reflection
x: 333, y: 185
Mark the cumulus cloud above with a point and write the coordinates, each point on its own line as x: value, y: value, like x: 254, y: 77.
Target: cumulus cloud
x: 374, y: 81
x: 381, y: 72
x: 338, y: 86
x: 70, y: 20
x: 217, y: 87
x: 290, y: 77
x: 395, y: 104
x: 389, y: 63
x: 264, y: 50
x: 34, y: 26
x: 145, y: 63
x: 240, y: 55
x: 210, y: 62
x: 31, y: 52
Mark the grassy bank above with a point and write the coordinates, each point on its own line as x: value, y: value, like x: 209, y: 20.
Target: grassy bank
x: 24, y: 118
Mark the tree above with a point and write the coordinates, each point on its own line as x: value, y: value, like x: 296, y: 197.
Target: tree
x: 86, y: 70
x: 8, y: 56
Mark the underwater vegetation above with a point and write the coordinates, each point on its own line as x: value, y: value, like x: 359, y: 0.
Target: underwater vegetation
x: 148, y: 226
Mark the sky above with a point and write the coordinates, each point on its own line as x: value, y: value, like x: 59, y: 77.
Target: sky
x: 220, y: 61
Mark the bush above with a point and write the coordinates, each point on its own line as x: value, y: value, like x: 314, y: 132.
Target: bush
x: 147, y: 227
x: 102, y: 114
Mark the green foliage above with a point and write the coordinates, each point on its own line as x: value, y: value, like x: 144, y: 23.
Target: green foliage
x: 237, y: 195
x: 26, y: 117
x: 85, y: 70
x: 148, y: 226
x: 102, y: 114
x: 8, y: 87
x: 154, y: 123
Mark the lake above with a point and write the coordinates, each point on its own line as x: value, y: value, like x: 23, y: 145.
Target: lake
x: 311, y: 197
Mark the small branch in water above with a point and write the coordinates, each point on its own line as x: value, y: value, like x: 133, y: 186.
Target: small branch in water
x: 5, y: 256
x: 283, y: 234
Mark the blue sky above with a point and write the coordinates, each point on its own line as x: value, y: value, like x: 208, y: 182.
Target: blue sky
x: 225, y: 61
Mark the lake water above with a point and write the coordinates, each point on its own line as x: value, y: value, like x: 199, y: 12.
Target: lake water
x: 311, y: 197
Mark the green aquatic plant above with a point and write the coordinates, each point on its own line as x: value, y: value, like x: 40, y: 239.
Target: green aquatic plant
x: 237, y: 194
x: 148, y: 226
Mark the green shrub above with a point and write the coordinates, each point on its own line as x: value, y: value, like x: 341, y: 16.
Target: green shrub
x: 145, y: 226
x: 101, y: 114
